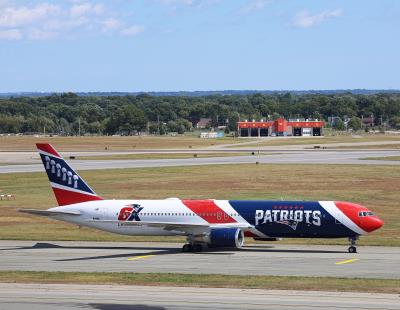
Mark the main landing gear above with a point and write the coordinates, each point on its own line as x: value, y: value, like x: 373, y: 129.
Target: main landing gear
x: 192, y: 247
x: 352, y: 247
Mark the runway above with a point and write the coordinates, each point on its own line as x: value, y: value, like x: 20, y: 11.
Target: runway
x: 298, y: 157
x: 118, y: 297
x: 268, y: 259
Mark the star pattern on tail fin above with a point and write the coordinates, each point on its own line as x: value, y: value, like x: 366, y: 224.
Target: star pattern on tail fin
x: 68, y: 186
x: 62, y: 173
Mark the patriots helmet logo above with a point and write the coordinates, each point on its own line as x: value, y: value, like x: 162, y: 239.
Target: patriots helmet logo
x: 291, y: 223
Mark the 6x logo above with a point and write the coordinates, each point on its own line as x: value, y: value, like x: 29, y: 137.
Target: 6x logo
x: 130, y: 213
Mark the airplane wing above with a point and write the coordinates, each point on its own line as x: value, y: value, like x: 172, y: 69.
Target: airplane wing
x: 48, y: 212
x: 189, y: 228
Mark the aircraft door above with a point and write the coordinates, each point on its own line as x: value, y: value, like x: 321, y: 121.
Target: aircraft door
x: 101, y: 213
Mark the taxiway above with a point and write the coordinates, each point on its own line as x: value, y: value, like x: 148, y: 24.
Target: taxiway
x: 119, y: 297
x: 260, y: 259
x: 297, y: 157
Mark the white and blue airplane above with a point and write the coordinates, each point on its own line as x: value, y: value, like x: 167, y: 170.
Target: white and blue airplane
x: 205, y: 223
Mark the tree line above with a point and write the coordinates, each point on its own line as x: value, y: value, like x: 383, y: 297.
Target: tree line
x: 70, y: 114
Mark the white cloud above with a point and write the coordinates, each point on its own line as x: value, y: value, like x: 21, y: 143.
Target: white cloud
x: 17, y: 16
x: 255, y: 5
x: 176, y: 2
x: 78, y: 10
x: 98, y: 9
x: 39, y: 34
x: 10, y: 34
x: 132, y: 30
x: 86, y: 8
x: 111, y: 24
x: 4, y: 3
x: 72, y: 18
x: 188, y: 3
x: 306, y: 20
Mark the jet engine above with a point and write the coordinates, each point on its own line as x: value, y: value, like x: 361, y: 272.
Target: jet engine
x: 226, y: 237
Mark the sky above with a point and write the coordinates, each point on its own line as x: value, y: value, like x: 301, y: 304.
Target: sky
x: 187, y: 45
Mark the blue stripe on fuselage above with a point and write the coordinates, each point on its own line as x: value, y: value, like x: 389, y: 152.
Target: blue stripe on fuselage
x: 294, y: 219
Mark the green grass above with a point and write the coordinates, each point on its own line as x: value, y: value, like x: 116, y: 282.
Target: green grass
x: 206, y: 280
x: 169, y: 155
x: 371, y: 147
x: 376, y: 187
x: 187, y: 141
x: 104, y: 143
x: 160, y: 156
x: 344, y: 138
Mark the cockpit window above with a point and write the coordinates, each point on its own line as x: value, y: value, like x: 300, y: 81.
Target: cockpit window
x: 365, y: 213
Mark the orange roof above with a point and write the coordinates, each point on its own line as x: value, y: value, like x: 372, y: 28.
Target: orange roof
x: 281, y: 124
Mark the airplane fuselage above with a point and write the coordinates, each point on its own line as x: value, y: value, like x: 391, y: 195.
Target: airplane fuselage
x: 295, y: 219
x: 208, y: 222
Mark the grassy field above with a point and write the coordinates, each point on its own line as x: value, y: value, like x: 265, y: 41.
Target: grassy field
x: 394, y: 158
x: 273, y: 141
x: 163, y: 156
x: 376, y: 187
x: 371, y: 146
x: 27, y: 143
x: 206, y: 280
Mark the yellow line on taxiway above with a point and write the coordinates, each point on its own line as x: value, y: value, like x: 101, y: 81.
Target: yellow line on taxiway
x: 140, y: 257
x: 347, y: 261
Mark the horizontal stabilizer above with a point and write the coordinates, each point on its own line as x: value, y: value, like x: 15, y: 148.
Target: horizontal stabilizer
x: 48, y: 212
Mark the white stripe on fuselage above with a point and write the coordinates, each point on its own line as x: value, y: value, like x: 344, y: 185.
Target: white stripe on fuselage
x: 49, y: 154
x: 67, y: 188
x: 228, y: 209
x: 152, y: 210
x: 333, y: 210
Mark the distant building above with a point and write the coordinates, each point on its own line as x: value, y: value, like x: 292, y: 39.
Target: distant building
x: 212, y: 134
x: 368, y: 121
x: 280, y: 127
x: 203, y: 123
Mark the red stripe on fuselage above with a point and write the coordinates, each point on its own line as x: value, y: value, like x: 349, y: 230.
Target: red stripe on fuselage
x: 350, y: 210
x: 250, y: 234
x: 65, y: 197
x: 45, y: 147
x: 209, y: 211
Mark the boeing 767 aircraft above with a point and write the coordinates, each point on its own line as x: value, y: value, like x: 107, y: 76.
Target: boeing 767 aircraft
x: 205, y: 223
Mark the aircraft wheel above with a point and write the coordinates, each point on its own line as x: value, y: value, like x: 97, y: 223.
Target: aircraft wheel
x: 197, y: 247
x: 352, y: 249
x: 187, y: 248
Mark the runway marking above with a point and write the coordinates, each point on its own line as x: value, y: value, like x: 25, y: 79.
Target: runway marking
x: 347, y: 261
x: 140, y: 257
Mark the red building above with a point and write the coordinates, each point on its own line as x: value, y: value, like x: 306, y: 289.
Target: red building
x: 280, y: 127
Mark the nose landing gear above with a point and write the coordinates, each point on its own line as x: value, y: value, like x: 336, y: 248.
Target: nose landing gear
x: 352, y: 247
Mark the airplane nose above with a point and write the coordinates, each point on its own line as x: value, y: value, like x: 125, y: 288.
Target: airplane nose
x: 371, y: 223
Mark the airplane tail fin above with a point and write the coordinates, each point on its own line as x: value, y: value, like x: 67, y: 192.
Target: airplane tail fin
x: 67, y: 185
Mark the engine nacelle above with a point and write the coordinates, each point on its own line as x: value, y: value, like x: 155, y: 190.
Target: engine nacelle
x: 267, y: 239
x: 226, y: 237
